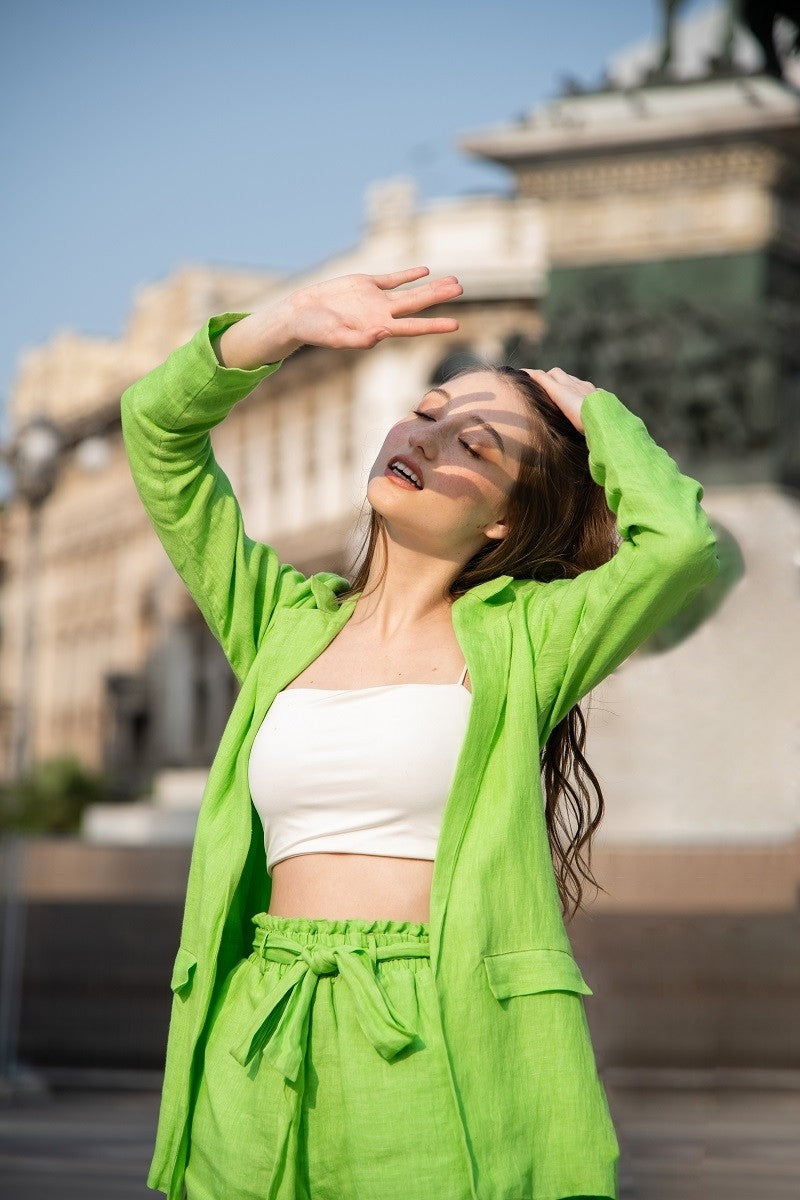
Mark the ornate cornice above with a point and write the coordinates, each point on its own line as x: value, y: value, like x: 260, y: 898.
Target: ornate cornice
x: 600, y: 175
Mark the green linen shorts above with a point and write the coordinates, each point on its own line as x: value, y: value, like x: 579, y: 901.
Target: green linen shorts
x: 324, y: 1074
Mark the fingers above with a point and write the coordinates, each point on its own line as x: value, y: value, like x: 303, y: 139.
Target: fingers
x: 438, y: 291
x: 415, y: 326
x: 395, y: 278
x: 556, y: 375
x: 554, y: 371
x: 543, y: 378
x: 565, y: 377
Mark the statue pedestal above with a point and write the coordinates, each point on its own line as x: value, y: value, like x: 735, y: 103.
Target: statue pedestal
x: 660, y: 171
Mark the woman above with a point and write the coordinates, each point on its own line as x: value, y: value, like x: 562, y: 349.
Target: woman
x: 408, y: 1019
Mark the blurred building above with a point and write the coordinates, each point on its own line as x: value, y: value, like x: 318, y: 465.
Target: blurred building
x: 690, y: 187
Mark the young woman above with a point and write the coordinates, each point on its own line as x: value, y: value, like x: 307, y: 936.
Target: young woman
x: 408, y: 1020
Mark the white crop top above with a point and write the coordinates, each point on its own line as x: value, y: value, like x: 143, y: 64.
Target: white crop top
x: 362, y: 771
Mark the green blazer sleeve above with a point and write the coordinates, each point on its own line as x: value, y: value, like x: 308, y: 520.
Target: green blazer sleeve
x: 167, y: 416
x: 581, y: 629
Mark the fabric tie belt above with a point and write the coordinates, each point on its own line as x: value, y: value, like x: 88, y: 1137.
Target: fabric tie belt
x: 284, y: 1040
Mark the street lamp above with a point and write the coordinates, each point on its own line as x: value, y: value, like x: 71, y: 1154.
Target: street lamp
x: 33, y: 457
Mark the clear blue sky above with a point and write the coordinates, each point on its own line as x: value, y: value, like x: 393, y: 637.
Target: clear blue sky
x: 141, y: 137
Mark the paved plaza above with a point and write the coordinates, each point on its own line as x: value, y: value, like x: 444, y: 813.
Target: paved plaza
x: 678, y: 1143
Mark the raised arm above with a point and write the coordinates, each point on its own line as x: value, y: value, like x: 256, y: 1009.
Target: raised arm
x: 581, y: 629
x: 167, y: 416
x: 236, y: 581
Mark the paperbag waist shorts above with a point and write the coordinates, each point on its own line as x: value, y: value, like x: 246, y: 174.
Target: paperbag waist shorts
x: 324, y: 1074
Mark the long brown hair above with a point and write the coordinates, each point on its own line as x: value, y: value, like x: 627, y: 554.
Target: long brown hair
x: 559, y: 525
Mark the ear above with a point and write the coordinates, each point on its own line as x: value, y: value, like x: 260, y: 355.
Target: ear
x: 497, y: 531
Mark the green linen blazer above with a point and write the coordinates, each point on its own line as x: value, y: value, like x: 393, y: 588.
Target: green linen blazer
x: 521, y: 1063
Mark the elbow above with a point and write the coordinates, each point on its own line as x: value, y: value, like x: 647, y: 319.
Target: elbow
x: 695, y: 558
x: 126, y: 399
x: 704, y: 547
x: 692, y: 543
x: 139, y: 431
x: 708, y: 551
x: 127, y: 412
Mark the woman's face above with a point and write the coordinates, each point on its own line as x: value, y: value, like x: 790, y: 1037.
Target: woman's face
x: 464, y: 442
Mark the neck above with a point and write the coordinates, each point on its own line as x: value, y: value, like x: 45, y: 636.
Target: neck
x: 406, y: 589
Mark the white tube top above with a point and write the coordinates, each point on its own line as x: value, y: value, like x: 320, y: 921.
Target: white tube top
x: 362, y: 771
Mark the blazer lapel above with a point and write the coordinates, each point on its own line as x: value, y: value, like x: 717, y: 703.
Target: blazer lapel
x: 297, y: 637
x: 483, y: 632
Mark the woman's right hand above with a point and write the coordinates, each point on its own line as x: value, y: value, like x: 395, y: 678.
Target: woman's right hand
x: 349, y: 312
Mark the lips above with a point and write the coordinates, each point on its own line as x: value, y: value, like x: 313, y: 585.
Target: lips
x: 407, y: 462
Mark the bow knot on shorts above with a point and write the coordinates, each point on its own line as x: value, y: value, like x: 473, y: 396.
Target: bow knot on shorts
x: 283, y: 1038
x: 325, y: 1073
x: 321, y: 960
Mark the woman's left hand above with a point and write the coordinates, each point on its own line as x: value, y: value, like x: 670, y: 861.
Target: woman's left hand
x: 566, y: 391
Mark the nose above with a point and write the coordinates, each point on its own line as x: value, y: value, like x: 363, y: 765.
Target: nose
x: 424, y: 437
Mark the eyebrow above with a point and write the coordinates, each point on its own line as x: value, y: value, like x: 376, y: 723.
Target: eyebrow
x: 474, y: 416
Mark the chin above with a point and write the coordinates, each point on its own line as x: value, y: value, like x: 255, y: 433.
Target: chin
x: 380, y: 491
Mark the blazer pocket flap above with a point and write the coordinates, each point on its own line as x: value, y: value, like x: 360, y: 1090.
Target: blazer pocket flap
x: 519, y: 972
x: 185, y: 962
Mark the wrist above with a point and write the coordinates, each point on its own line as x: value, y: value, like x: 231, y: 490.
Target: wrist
x: 263, y: 336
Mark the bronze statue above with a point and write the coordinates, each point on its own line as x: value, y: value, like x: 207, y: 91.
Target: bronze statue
x: 756, y: 15
x: 760, y: 20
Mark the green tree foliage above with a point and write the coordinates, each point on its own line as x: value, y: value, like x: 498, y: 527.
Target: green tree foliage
x: 50, y: 797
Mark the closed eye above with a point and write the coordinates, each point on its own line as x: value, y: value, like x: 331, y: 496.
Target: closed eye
x: 428, y: 417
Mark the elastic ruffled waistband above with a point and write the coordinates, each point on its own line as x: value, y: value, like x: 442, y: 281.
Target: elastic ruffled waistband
x: 345, y: 930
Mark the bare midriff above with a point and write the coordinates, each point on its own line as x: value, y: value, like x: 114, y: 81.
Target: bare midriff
x: 338, y: 886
